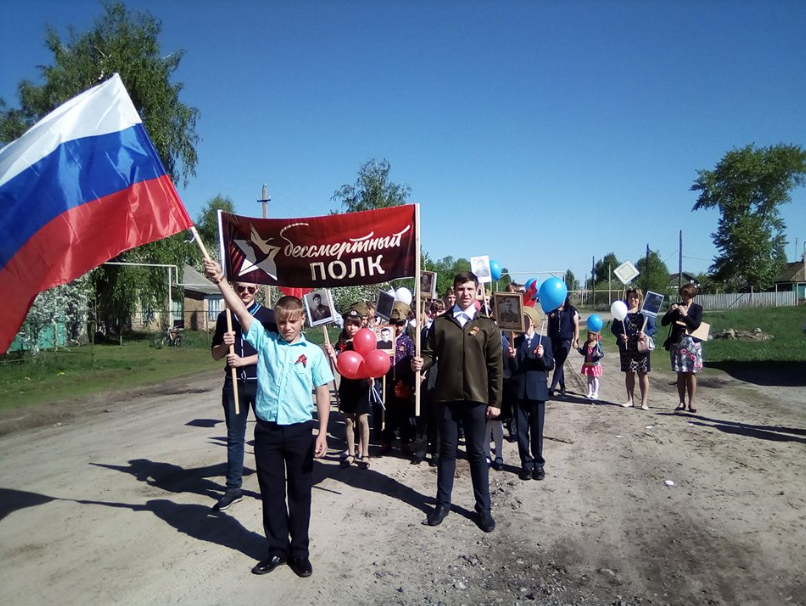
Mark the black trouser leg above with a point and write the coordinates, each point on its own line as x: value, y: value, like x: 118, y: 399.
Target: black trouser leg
x: 523, y: 414
x: 285, y: 452
x: 537, y: 422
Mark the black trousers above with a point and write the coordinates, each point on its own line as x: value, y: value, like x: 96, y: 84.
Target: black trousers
x: 284, y: 458
x: 560, y: 348
x: 530, y: 416
x: 427, y: 426
x: 472, y: 415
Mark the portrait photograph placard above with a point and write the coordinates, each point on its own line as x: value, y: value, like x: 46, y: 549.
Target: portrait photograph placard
x: 428, y: 285
x: 652, y: 304
x: 385, y: 333
x: 481, y: 267
x: 509, y: 311
x: 384, y: 305
x: 319, y: 307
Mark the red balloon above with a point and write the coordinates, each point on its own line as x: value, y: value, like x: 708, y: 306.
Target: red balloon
x: 377, y: 363
x: 365, y: 341
x: 350, y: 364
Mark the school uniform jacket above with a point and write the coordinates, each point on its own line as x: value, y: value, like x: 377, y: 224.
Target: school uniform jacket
x: 470, y: 359
x: 530, y: 373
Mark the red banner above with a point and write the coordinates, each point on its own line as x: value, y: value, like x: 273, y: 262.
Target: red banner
x: 367, y: 247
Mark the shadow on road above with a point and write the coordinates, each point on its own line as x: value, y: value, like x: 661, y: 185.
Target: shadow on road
x: 781, y: 374
x: 772, y: 433
x: 176, y: 479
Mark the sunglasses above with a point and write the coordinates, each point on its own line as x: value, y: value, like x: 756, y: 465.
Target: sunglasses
x: 250, y: 289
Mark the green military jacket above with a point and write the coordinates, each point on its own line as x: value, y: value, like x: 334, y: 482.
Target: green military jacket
x: 470, y: 359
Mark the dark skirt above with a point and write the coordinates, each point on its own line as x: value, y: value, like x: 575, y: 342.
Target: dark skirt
x: 354, y: 396
x: 634, y: 361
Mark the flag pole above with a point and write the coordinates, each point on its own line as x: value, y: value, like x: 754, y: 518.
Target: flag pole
x: 206, y: 256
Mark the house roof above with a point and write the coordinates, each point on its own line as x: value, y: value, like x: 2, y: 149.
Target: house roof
x: 194, y: 281
x: 792, y: 272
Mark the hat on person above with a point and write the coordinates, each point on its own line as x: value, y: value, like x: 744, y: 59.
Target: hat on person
x: 351, y: 314
x: 360, y: 308
x: 533, y: 314
x: 400, y: 312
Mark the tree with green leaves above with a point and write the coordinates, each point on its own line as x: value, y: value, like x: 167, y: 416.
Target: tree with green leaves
x: 372, y: 189
x: 748, y: 186
x: 207, y: 223
x: 125, y: 42
x: 571, y: 281
x: 603, y: 267
x: 654, y: 275
x: 446, y: 269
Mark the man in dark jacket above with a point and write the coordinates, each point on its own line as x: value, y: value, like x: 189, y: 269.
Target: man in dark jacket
x: 244, y: 361
x: 467, y: 345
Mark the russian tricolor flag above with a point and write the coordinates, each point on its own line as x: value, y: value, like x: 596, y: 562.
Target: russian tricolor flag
x: 81, y: 186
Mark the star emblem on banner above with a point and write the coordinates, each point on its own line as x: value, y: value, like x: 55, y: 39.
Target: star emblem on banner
x: 259, y: 254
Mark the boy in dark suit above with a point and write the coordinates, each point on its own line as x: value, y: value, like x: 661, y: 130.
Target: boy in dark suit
x: 530, y: 359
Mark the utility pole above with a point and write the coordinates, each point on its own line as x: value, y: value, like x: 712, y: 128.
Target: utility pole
x: 609, y: 285
x: 265, y: 198
x: 680, y: 263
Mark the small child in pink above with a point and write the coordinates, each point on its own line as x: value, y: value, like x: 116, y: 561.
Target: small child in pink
x: 592, y: 366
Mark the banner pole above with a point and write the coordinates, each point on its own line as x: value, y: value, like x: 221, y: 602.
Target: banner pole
x: 330, y: 361
x: 418, y: 315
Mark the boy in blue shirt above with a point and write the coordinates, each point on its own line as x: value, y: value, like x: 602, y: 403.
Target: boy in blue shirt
x: 289, y: 368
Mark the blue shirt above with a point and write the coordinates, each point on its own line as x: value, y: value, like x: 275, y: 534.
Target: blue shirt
x: 287, y: 373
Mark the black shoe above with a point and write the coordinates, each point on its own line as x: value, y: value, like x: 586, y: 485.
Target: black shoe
x: 229, y: 499
x: 538, y: 473
x: 435, y: 517
x: 266, y: 566
x: 301, y: 567
x: 432, y: 462
x: 498, y: 464
x: 417, y: 460
x: 486, y: 522
x: 525, y: 474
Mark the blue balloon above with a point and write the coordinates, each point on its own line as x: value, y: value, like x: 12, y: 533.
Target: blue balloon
x: 552, y: 294
x: 529, y: 282
x: 536, y: 287
x: 495, y: 270
x: 595, y: 323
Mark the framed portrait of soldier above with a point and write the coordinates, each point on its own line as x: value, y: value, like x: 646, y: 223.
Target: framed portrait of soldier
x: 428, y: 285
x: 509, y: 311
x: 385, y: 333
x: 319, y: 307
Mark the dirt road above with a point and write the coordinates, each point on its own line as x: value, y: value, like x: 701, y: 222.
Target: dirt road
x: 107, y: 502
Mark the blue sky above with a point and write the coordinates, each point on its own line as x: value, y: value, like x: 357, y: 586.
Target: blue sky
x: 539, y: 133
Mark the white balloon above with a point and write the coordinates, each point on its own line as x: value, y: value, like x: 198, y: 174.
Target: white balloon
x: 391, y: 291
x: 403, y: 295
x: 619, y: 310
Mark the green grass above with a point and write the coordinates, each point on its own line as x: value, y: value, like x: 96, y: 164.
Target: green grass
x: 83, y: 371
x: 783, y: 323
